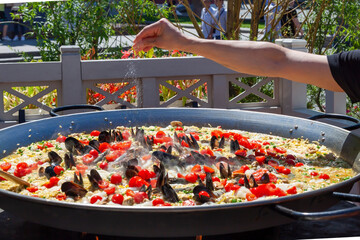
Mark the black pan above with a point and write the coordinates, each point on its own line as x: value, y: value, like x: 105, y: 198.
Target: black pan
x: 181, y: 221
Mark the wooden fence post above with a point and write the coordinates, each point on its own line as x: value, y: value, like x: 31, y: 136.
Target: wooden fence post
x: 148, y: 93
x: 71, y: 91
x: 293, y: 94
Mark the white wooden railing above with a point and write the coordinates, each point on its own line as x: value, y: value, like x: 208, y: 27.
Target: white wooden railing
x: 71, y: 77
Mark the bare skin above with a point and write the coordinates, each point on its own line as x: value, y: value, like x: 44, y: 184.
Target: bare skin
x: 256, y: 58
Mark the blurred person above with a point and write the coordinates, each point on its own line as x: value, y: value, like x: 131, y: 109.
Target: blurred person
x: 7, y: 17
x: 19, y: 29
x: 221, y: 18
x: 338, y: 72
x: 272, y: 19
x: 207, y: 14
x: 291, y: 26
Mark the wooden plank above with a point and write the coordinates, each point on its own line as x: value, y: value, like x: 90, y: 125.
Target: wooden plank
x: 158, y: 67
x: 30, y: 72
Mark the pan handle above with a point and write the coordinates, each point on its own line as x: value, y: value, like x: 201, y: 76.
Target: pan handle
x: 73, y: 107
x: 327, y: 215
x: 339, y: 116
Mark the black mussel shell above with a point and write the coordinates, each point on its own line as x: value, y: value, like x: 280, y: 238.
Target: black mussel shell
x: 201, y: 198
x: 49, y: 172
x: 72, y: 189
x: 55, y: 159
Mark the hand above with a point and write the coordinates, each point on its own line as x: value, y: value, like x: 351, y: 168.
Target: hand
x: 161, y: 34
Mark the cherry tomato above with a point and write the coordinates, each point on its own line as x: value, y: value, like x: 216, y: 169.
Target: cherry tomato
x: 95, y: 133
x: 179, y: 129
x: 103, y: 165
x: 153, y: 183
x: 215, y: 179
x: 179, y: 175
x: 157, y: 201
x: 84, y: 141
x: 241, y: 153
x: 299, y: 164
x: 88, y: 158
x: 109, y: 190
x: 117, y: 198
x: 121, y: 146
x: 54, y: 180
x: 112, y: 156
x: 140, y: 196
x: 191, y: 177
x: 250, y: 197
x: 144, y: 174
x: 202, y: 176
x: 103, y: 184
x: 260, y: 159
x: 61, y: 139
x: 22, y: 165
x: 58, y: 170
x: 280, y: 150
x: 116, y: 178
x: 184, y: 144
x: 94, y: 153
x: 195, y: 135
x: 48, y: 185
x: 217, y: 133
x: 324, y: 176
x: 95, y: 198
x: 196, y: 168
x: 137, y: 181
x: 61, y: 196
x: 5, y: 166
x: 314, y: 174
x: 208, y: 170
x: 208, y: 152
x: 41, y: 147
x: 126, y: 135
x: 32, y: 189
x: 130, y: 193
x: 160, y: 134
x: 204, y: 193
x: 291, y: 190
x: 103, y: 146
x: 48, y: 144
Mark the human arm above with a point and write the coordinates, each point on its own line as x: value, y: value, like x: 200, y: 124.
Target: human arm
x: 256, y: 58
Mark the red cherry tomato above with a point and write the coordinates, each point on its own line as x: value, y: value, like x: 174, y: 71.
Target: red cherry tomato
x: 94, y: 153
x: 61, y: 139
x: 103, y: 146
x: 299, y: 164
x: 88, y: 158
x: 103, y: 184
x: 241, y: 153
x: 109, y: 190
x: 129, y: 193
x: 95, y: 198
x: 160, y: 134
x: 314, y: 174
x: 54, y: 180
x: 48, y: 145
x: 157, y: 201
x: 179, y: 129
x: 260, y: 159
x: 204, y: 193
x: 95, y: 133
x: 184, y: 144
x: 291, y: 190
x: 103, y: 165
x: 196, y: 168
x: 217, y: 133
x: 5, y: 166
x: 208, y: 170
x: 116, y: 178
x: 61, y: 196
x: 32, y: 189
x: 58, y: 170
x: 280, y: 150
x: 215, y: 179
x: 250, y: 197
x: 140, y: 196
x: 324, y: 176
x: 137, y: 181
x: 191, y: 177
x: 144, y: 174
x: 117, y: 198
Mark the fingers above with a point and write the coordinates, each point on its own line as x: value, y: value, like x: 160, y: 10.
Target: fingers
x: 145, y: 44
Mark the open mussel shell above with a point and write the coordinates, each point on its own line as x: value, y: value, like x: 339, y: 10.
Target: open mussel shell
x: 72, y: 189
x: 94, y: 178
x: 105, y: 136
x: 251, y: 182
x: 69, y: 160
x: 55, y: 159
x: 201, y: 198
x: 169, y: 193
x: 74, y: 146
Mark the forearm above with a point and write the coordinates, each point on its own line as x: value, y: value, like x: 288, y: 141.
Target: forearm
x: 265, y: 59
x: 257, y: 58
